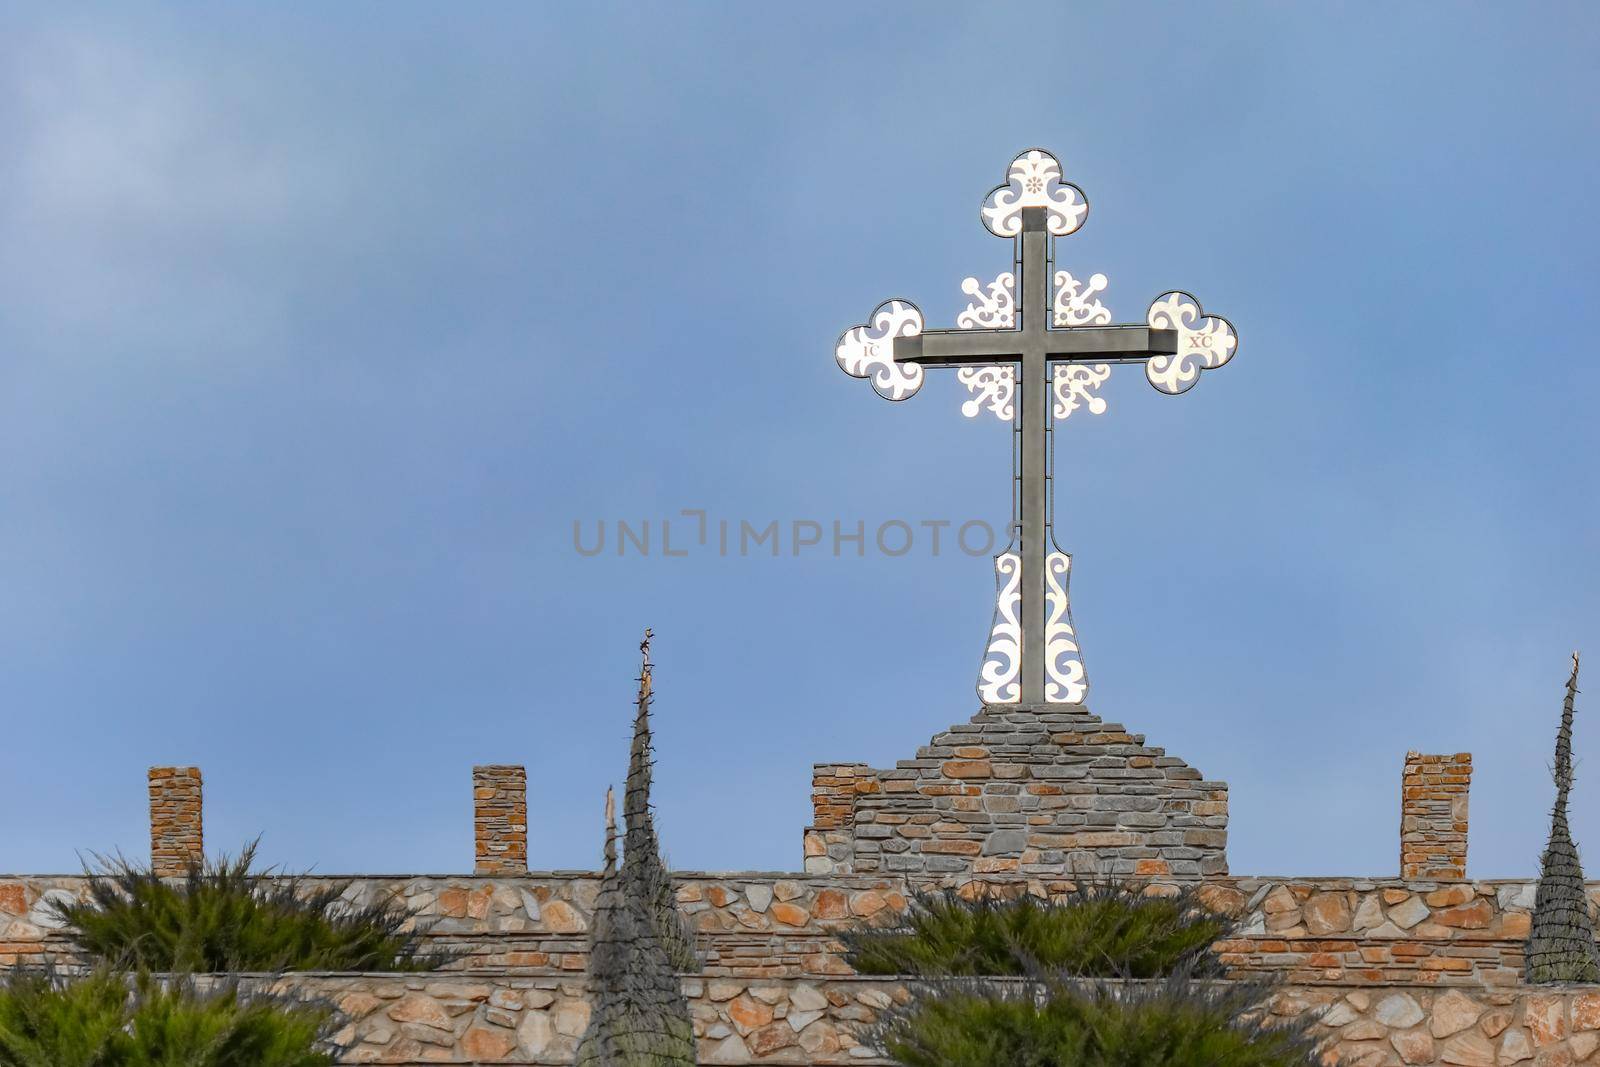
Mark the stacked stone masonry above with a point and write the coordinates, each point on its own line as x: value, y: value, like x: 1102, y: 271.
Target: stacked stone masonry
x: 1433, y: 815
x: 1022, y: 790
x: 500, y: 819
x: 177, y: 833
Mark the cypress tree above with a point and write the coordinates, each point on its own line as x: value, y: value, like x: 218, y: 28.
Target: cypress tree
x: 1561, y: 945
x: 643, y: 869
x: 639, y: 1016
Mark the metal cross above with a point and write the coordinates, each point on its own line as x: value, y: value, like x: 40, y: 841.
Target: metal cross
x: 1027, y: 351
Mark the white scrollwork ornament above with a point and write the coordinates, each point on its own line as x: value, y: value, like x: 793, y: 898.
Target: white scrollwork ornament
x: 1065, y: 680
x: 1076, y: 304
x: 1000, y: 677
x: 867, y: 350
x: 994, y: 388
x: 1074, y: 384
x: 993, y: 307
x: 1205, y: 342
x: 1034, y: 180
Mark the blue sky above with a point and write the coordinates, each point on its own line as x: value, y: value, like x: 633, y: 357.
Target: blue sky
x: 319, y: 330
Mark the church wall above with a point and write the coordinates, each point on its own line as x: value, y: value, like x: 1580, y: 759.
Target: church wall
x: 1419, y: 969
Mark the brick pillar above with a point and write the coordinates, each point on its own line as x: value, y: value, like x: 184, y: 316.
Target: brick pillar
x: 500, y: 819
x: 177, y: 833
x: 829, y: 840
x: 1433, y: 816
x: 833, y: 793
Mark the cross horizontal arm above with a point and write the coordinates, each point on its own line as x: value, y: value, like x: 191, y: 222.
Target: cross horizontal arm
x: 1137, y: 342
x: 959, y: 348
x: 970, y: 348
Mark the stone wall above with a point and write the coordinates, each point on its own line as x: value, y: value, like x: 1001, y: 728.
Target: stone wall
x: 414, y: 1019
x: 1419, y: 969
x: 774, y: 925
x: 1551, y: 1027
x: 411, y: 1019
x: 1022, y: 790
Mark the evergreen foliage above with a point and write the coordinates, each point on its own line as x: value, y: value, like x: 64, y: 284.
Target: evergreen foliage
x: 102, y: 1020
x: 637, y: 942
x: 221, y: 916
x: 1105, y: 929
x: 1064, y: 1022
x: 1561, y: 944
x: 1109, y: 975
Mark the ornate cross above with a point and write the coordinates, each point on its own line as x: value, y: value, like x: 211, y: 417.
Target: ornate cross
x: 1030, y: 364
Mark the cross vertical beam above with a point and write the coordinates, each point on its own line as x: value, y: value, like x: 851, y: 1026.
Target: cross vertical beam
x: 1033, y: 409
x: 1032, y: 346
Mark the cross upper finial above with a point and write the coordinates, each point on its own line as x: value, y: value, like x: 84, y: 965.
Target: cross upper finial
x: 1034, y: 180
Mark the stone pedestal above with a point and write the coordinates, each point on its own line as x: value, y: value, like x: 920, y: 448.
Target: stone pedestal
x: 1024, y: 789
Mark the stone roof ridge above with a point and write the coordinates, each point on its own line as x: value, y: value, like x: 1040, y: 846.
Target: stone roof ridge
x: 1026, y: 714
x: 1006, y: 735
